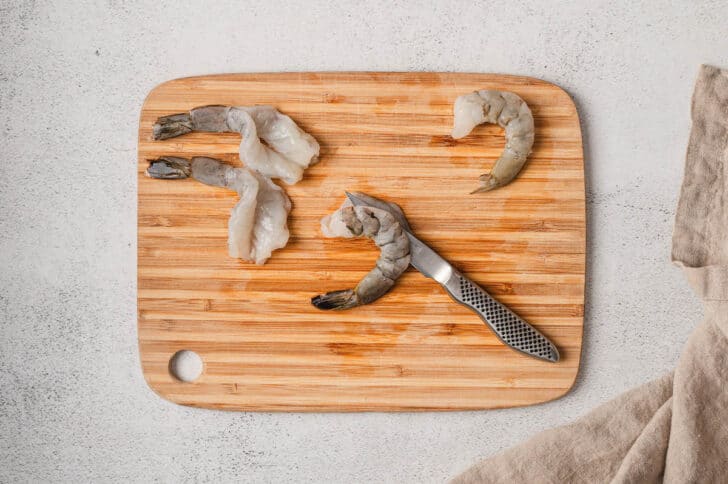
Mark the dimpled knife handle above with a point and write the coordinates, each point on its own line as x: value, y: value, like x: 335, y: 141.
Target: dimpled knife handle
x: 510, y: 328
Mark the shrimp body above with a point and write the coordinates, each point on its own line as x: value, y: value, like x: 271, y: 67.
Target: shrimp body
x: 507, y: 110
x: 286, y: 153
x: 258, y: 222
x: 393, y: 260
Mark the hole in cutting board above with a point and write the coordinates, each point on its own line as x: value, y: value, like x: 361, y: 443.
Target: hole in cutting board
x: 185, y: 365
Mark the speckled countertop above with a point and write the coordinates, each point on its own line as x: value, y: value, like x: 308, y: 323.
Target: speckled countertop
x: 73, y: 403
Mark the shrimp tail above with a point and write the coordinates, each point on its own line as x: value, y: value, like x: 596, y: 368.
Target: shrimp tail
x: 343, y: 299
x: 482, y: 189
x: 172, y: 126
x: 169, y: 168
x: 489, y: 182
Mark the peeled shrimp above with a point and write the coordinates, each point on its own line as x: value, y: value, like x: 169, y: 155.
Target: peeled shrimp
x: 510, y: 112
x: 288, y: 150
x: 258, y: 222
x: 380, y: 226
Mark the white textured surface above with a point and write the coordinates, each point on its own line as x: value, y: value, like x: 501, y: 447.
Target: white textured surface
x: 73, y: 404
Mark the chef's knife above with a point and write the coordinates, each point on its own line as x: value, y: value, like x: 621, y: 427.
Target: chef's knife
x: 508, y: 326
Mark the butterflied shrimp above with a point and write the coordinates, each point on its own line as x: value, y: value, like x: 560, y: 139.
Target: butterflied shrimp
x: 258, y: 223
x: 394, y: 258
x: 507, y: 110
x: 287, y: 152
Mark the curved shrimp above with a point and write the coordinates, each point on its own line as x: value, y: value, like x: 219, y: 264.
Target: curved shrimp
x: 510, y: 112
x: 258, y: 222
x: 288, y: 150
x: 380, y: 226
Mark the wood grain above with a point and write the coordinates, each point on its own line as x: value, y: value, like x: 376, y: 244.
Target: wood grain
x: 264, y: 347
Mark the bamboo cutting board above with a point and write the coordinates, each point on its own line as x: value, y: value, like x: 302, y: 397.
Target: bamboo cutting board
x: 265, y: 347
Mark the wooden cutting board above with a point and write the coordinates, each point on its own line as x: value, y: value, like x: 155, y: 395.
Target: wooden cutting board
x: 265, y: 347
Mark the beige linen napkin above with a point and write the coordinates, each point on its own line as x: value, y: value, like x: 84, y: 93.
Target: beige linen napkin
x: 673, y: 429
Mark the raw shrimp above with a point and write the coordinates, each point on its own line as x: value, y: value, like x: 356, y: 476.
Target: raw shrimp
x: 380, y: 226
x: 258, y: 222
x: 288, y: 150
x: 510, y: 112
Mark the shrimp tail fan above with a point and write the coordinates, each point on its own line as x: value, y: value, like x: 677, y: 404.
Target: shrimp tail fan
x: 343, y: 299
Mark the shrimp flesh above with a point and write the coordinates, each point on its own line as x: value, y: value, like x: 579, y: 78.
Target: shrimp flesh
x: 380, y: 226
x: 510, y: 112
x: 258, y: 223
x: 287, y: 151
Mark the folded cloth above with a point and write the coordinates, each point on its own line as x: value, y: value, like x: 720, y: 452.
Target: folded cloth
x: 673, y: 429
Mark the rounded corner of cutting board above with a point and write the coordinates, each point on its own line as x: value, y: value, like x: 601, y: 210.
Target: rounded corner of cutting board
x: 560, y: 90
x: 157, y: 388
x: 171, y: 389
x: 149, y: 98
x: 574, y: 375
x: 163, y: 86
x: 347, y: 111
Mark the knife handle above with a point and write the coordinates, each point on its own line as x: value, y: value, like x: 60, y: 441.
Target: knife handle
x: 509, y: 328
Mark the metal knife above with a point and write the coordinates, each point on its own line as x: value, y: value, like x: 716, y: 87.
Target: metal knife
x: 507, y: 325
